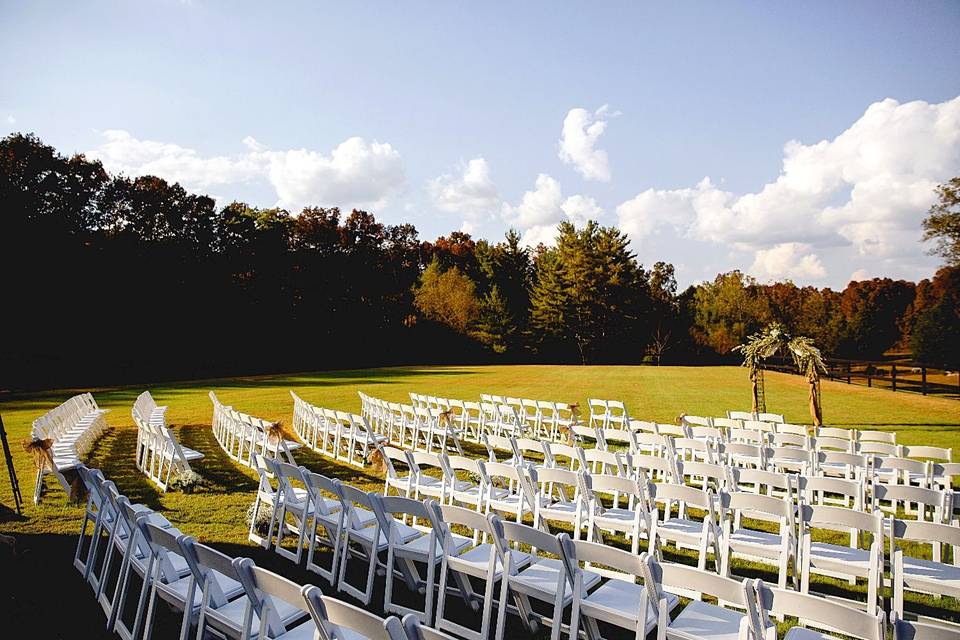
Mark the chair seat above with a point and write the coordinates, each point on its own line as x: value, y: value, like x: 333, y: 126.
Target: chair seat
x: 542, y: 577
x: 297, y: 502
x: 343, y: 633
x: 566, y: 510
x: 617, y: 516
x: 681, y: 527
x: 230, y: 588
x: 761, y: 541
x: 305, y: 631
x: 826, y: 555
x: 618, y: 599
x: 233, y: 613
x: 418, y: 546
x: 405, y: 532
x: 479, y: 557
x: 464, y: 486
x: 701, y: 620
x: 509, y: 502
x: 802, y: 633
x: 935, y: 574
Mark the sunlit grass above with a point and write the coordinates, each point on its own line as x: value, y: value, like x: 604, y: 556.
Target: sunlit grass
x: 216, y: 512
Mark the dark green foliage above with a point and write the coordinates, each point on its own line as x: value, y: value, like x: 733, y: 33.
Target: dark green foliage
x: 943, y: 223
x: 159, y: 283
x: 591, y: 295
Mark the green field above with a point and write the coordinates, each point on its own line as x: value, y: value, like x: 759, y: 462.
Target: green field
x: 216, y: 513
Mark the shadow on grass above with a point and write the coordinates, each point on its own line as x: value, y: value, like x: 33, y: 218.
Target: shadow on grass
x: 221, y: 473
x: 45, y: 400
x: 8, y: 514
x: 115, y: 455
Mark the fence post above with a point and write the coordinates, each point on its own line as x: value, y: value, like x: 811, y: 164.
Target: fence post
x: 848, y: 373
x: 923, y: 380
x: 893, y: 376
x: 869, y: 371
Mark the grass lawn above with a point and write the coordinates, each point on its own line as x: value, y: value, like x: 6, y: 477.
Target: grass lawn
x: 216, y: 513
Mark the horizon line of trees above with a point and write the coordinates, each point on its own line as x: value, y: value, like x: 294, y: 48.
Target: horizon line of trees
x: 112, y: 278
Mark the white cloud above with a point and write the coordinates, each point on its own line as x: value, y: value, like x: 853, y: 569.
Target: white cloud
x: 580, y: 209
x: 11, y: 120
x: 355, y: 173
x: 470, y: 193
x: 122, y: 153
x: 791, y: 260
x: 543, y: 208
x: 859, y: 275
x: 864, y: 192
x: 581, y: 130
x: 251, y: 143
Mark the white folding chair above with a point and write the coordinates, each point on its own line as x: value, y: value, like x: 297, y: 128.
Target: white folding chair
x: 280, y: 611
x: 619, y: 601
x: 403, y: 483
x: 337, y: 619
x: 682, y: 530
x: 931, y: 576
x: 510, y: 496
x: 819, y: 617
x: 463, y: 562
x: 296, y: 508
x: 328, y: 517
x: 533, y: 575
x: 839, y: 561
x: 371, y: 539
x: 406, y: 547
x: 167, y: 582
x: 558, y: 497
x: 758, y: 545
x: 223, y: 605
x: 469, y: 491
x: 906, y: 630
x: 634, y: 519
x: 698, y: 620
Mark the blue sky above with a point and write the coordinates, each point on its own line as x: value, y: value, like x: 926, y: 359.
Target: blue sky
x: 483, y: 116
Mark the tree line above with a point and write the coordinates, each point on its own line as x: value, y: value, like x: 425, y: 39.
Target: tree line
x: 110, y: 278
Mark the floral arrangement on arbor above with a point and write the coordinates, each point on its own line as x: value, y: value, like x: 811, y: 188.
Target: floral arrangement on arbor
x: 806, y: 356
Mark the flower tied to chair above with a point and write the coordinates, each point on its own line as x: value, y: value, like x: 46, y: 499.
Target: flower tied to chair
x: 680, y: 418
x: 567, y: 433
x: 377, y: 460
x: 445, y: 418
x: 78, y: 490
x: 275, y: 432
x: 575, y: 412
x: 41, y: 450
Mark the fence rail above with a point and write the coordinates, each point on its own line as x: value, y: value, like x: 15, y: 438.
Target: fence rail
x: 912, y: 377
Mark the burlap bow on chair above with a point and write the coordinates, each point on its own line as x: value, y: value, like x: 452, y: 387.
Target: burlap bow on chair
x: 275, y: 432
x: 377, y: 460
x: 444, y: 418
x: 41, y: 450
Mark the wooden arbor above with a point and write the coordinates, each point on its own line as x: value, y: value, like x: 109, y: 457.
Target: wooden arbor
x: 771, y: 341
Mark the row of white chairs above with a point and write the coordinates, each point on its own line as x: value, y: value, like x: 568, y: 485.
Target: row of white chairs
x: 415, y: 425
x: 579, y: 498
x: 405, y: 424
x: 243, y: 436
x: 160, y: 455
x: 72, y: 427
x: 214, y: 594
x: 369, y: 525
x: 336, y: 434
x: 781, y: 459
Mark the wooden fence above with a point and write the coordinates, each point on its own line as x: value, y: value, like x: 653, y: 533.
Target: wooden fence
x: 894, y: 375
